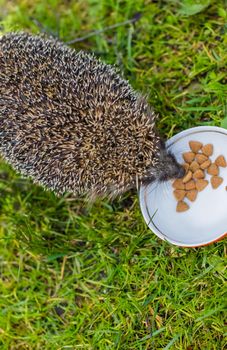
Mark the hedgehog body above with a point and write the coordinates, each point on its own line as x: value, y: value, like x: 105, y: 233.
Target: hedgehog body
x: 72, y: 123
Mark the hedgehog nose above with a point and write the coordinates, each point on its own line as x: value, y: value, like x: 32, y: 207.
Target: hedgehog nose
x: 181, y: 172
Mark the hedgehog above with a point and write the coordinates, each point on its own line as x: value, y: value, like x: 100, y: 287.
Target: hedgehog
x: 73, y: 124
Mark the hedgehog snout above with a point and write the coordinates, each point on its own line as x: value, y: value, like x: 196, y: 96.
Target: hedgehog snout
x: 169, y: 168
x: 181, y: 172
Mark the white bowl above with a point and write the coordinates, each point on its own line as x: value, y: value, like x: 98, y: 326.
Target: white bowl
x: 206, y: 220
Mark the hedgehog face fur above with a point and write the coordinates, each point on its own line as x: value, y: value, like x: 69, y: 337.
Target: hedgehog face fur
x: 72, y: 123
x: 167, y: 168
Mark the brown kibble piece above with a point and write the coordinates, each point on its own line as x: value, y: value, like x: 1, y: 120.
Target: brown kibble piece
x: 226, y: 188
x: 201, y: 184
x: 208, y: 149
x: 187, y: 177
x: 220, y: 161
x: 198, y: 174
x: 188, y: 156
x: 213, y: 169
x: 206, y: 164
x: 201, y: 158
x: 191, y: 195
x: 190, y: 185
x: 195, y: 146
x: 194, y: 166
x: 216, y: 181
x: 178, y: 184
x: 179, y: 194
x: 182, y: 206
x: 186, y: 167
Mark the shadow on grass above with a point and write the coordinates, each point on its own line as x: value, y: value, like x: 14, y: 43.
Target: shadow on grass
x: 54, y: 226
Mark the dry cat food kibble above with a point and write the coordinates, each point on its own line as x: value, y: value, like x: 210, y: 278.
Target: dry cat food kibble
x: 191, y: 195
x: 220, y: 161
x: 216, y: 181
x: 197, y: 165
x: 182, y: 206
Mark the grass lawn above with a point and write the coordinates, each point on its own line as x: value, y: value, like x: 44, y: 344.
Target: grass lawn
x: 77, y: 277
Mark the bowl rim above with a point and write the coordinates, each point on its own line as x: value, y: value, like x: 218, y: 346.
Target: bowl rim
x: 142, y: 194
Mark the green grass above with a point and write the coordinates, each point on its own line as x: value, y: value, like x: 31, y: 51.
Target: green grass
x: 73, y: 277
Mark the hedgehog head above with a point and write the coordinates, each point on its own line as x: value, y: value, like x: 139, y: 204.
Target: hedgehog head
x: 166, y: 167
